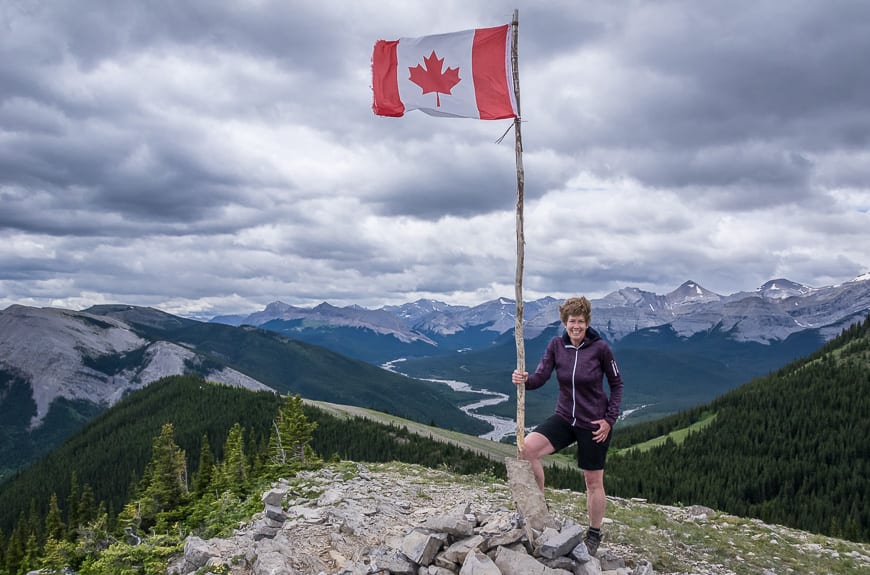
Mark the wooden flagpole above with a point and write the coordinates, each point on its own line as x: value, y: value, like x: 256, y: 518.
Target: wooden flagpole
x: 518, y: 284
x: 521, y: 479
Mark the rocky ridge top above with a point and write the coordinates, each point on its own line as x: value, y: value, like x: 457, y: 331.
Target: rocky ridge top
x: 353, y: 519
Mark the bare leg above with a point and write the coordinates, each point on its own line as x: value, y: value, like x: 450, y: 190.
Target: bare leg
x: 596, y: 499
x: 534, y: 448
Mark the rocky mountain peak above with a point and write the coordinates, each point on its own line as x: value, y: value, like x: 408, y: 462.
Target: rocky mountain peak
x: 278, y: 307
x: 782, y: 288
x: 631, y: 297
x: 690, y: 293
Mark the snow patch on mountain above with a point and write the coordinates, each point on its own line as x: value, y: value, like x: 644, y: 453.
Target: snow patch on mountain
x: 691, y: 293
x: 782, y: 288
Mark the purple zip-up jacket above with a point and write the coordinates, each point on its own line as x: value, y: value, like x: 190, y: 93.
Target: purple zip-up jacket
x: 580, y: 371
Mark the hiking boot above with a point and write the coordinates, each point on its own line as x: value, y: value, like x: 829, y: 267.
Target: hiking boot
x: 592, y: 540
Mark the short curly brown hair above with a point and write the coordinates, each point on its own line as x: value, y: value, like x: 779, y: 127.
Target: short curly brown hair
x: 576, y: 306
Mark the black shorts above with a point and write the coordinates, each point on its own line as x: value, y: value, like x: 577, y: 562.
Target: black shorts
x: 591, y: 455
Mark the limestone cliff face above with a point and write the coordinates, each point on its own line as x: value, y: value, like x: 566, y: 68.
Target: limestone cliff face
x: 47, y: 347
x: 58, y: 353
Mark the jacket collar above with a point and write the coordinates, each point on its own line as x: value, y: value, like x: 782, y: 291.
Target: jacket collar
x: 591, y: 335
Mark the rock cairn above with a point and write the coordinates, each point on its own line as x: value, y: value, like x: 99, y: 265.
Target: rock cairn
x: 331, y: 522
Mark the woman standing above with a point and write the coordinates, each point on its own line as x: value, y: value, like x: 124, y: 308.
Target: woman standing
x: 584, y: 415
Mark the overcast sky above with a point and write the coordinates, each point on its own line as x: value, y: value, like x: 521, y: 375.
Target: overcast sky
x: 211, y: 157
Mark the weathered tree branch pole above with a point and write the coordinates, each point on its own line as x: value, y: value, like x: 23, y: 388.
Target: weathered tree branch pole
x: 524, y: 488
x: 521, y: 242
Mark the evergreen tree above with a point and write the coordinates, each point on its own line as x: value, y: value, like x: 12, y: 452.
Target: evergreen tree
x: 72, y: 506
x: 15, y: 550
x: 94, y: 536
x: 289, y: 443
x: 168, y: 468
x: 162, y: 489
x: 205, y: 470
x: 34, y: 521
x: 166, y: 476
x: 56, y: 557
x: 54, y: 526
x: 232, y: 473
x: 87, y: 505
x: 32, y: 553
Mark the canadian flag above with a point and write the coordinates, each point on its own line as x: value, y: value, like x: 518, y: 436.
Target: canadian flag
x: 464, y: 74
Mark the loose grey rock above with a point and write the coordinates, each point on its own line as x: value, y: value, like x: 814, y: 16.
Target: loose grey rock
x: 421, y: 547
x: 558, y: 543
x: 477, y: 563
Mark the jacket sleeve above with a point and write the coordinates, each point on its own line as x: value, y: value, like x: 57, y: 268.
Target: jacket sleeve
x: 545, y: 367
x: 614, y: 380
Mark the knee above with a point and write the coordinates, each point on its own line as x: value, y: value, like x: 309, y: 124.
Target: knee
x: 530, y: 454
x: 594, y: 481
x: 535, y: 447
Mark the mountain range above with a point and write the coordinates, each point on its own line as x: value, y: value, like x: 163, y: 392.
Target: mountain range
x: 773, y: 312
x: 58, y: 368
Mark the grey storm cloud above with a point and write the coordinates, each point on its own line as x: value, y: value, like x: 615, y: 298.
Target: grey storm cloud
x: 232, y: 148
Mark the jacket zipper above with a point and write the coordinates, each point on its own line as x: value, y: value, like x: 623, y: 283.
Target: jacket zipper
x: 574, y: 384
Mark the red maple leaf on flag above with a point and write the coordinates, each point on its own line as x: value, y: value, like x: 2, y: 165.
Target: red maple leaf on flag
x: 431, y: 79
